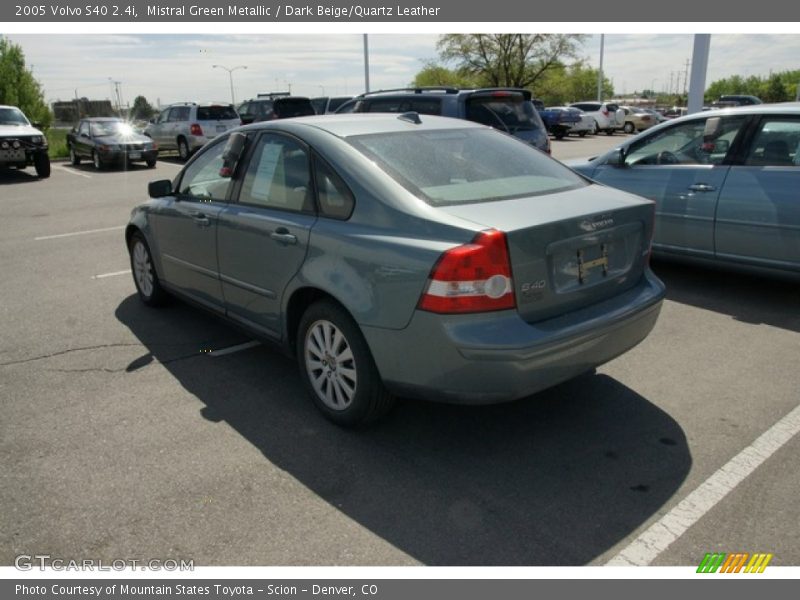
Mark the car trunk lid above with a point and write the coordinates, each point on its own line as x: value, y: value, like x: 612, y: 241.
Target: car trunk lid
x: 569, y: 249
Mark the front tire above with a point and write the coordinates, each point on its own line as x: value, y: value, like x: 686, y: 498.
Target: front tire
x: 73, y: 157
x: 337, y: 367
x: 41, y: 162
x: 144, y: 272
x: 96, y: 161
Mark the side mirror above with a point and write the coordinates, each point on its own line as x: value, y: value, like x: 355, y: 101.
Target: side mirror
x: 160, y: 188
x: 37, y: 124
x: 234, y: 148
x: 84, y: 135
x: 616, y: 158
x: 247, y: 119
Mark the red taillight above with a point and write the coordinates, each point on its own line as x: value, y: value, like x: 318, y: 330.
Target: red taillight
x: 195, y: 129
x: 475, y: 277
x: 605, y: 112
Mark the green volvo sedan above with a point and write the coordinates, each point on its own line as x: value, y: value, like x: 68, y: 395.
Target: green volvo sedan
x: 402, y: 256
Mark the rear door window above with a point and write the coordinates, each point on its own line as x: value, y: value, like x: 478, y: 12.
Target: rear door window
x: 179, y: 113
x: 216, y: 113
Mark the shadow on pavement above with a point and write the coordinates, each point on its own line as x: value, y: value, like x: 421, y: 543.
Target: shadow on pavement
x: 555, y: 479
x: 747, y: 298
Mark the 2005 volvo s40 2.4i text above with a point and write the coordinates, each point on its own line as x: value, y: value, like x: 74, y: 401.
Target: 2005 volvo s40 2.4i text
x: 402, y: 255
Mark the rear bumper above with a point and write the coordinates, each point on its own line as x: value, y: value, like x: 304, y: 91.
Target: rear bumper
x: 498, y: 357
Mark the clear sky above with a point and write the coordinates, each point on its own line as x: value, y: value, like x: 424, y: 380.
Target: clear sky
x: 178, y: 67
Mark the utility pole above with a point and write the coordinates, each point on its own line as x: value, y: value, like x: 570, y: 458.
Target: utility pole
x: 366, y: 63
x: 686, y: 77
x: 600, y: 70
x: 702, y: 45
x: 230, y: 76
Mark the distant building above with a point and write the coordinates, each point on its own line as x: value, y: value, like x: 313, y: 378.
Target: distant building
x: 71, y: 111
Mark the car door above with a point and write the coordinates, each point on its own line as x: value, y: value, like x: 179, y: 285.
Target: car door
x: 83, y: 140
x: 186, y: 229
x: 263, y: 237
x: 157, y: 131
x: 758, y: 219
x: 682, y: 169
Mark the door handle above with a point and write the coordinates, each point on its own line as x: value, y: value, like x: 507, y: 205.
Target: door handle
x: 282, y: 235
x: 702, y: 187
x: 201, y: 219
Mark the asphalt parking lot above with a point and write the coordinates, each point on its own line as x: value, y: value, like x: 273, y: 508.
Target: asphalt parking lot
x: 124, y: 435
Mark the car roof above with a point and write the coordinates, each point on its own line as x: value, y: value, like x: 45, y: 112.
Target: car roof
x: 351, y: 124
x: 99, y: 119
x: 752, y: 109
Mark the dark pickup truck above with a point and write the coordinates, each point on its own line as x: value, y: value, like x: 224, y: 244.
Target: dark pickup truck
x: 556, y: 120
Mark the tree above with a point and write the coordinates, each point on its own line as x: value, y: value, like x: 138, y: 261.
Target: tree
x: 562, y: 85
x: 18, y: 87
x: 436, y: 75
x: 513, y: 60
x: 141, y: 109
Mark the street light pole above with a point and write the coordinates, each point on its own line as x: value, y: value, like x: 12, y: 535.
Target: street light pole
x: 230, y: 76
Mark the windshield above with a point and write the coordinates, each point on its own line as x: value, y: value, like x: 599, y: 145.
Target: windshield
x: 12, y: 116
x: 102, y: 128
x: 459, y: 166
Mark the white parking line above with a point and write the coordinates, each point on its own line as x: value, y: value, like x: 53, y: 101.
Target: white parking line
x: 232, y: 349
x: 671, y: 526
x: 88, y: 231
x: 114, y: 274
x: 74, y: 172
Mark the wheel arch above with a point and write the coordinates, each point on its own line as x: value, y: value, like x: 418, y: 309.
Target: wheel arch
x: 297, y: 304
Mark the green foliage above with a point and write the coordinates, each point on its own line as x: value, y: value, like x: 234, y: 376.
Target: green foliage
x: 436, y: 75
x: 18, y: 87
x: 57, y: 143
x: 777, y: 87
x: 562, y: 85
x: 141, y: 109
x: 514, y: 60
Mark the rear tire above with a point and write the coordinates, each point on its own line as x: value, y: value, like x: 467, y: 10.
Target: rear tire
x: 144, y: 272
x: 41, y: 162
x: 582, y: 133
x: 151, y: 164
x: 629, y: 128
x: 337, y: 367
x: 183, y: 149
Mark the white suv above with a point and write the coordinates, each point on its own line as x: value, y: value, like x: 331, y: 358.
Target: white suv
x: 607, y: 116
x: 188, y: 126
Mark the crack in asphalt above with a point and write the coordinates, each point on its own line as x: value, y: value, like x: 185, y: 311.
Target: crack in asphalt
x: 202, y: 343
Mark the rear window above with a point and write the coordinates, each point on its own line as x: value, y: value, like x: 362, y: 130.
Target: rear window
x: 507, y: 113
x: 461, y: 166
x: 588, y: 106
x: 335, y: 103
x: 612, y: 107
x: 286, y: 108
x: 421, y: 105
x: 216, y: 113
